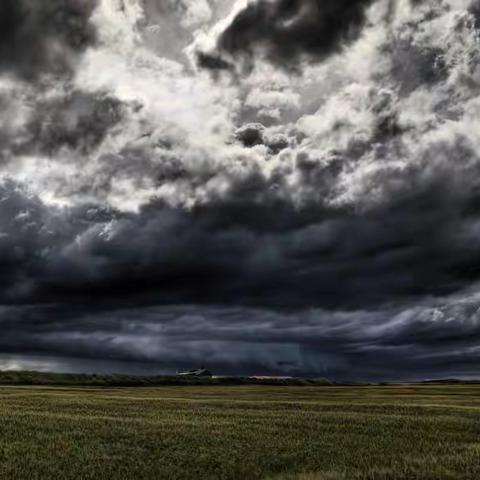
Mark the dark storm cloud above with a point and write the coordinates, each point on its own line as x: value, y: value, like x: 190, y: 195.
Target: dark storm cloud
x: 43, y: 36
x: 252, y: 247
x: 287, y: 30
x: 425, y: 341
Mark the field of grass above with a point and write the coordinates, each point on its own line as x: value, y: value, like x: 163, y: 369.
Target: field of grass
x: 240, y: 432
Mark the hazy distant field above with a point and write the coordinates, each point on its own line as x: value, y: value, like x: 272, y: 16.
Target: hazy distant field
x: 248, y: 432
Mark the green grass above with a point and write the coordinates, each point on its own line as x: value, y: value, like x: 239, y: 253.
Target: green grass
x: 240, y: 432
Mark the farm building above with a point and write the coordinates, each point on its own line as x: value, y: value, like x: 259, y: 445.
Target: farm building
x: 199, y: 372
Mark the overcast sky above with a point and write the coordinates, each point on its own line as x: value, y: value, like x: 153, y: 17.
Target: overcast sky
x: 263, y: 186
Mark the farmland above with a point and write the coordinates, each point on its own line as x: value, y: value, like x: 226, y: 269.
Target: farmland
x: 241, y: 432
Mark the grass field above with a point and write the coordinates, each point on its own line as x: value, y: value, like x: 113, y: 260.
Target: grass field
x: 242, y: 432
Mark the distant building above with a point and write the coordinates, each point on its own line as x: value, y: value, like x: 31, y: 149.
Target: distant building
x: 269, y: 377
x: 199, y: 372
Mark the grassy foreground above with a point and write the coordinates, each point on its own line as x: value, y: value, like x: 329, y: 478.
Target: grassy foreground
x: 240, y: 432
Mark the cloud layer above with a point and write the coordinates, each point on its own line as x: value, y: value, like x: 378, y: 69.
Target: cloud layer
x: 154, y: 215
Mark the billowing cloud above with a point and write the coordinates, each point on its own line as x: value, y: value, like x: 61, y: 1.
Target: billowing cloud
x: 286, y: 30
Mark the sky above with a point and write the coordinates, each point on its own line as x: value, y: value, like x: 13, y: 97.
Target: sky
x: 283, y: 187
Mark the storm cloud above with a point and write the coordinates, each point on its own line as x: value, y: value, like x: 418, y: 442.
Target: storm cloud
x: 154, y: 217
x: 286, y: 30
x: 426, y: 341
x: 40, y: 37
